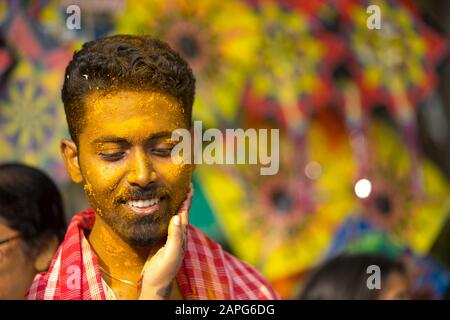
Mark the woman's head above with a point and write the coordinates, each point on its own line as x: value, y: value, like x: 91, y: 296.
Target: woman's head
x: 348, y: 277
x: 31, y: 226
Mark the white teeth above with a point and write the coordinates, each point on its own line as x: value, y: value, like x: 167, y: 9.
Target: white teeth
x: 143, y: 203
x: 146, y: 203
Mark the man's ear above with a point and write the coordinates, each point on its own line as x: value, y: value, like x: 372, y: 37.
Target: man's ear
x: 70, y: 155
x: 45, y: 255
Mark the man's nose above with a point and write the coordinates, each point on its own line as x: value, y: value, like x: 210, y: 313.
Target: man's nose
x: 142, y: 172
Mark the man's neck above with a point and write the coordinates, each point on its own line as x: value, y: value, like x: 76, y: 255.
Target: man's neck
x: 120, y: 263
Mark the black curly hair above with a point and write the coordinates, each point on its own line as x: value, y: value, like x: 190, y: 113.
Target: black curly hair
x: 125, y: 62
x: 31, y: 204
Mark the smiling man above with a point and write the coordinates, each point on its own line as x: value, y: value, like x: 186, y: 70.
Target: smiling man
x: 123, y: 97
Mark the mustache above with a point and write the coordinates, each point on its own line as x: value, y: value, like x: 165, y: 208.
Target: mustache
x: 141, y: 193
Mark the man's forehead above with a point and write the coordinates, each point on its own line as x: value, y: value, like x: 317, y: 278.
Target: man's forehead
x: 126, y: 113
x: 130, y: 101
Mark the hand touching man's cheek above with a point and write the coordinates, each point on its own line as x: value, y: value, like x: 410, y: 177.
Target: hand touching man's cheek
x: 161, y: 269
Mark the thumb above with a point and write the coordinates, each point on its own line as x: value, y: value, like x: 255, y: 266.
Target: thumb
x: 174, y: 238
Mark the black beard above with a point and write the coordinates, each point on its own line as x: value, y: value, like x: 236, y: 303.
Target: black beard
x: 139, y: 231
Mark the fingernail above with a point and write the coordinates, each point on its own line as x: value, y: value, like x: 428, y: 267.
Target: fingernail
x: 176, y: 220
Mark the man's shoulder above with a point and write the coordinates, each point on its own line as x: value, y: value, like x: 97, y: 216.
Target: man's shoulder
x: 247, y: 282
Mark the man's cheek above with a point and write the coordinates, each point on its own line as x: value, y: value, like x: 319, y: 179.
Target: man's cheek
x: 184, y: 177
x: 174, y: 174
x: 178, y: 178
x: 97, y: 191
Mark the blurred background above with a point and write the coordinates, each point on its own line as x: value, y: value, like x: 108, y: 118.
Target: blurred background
x: 363, y: 115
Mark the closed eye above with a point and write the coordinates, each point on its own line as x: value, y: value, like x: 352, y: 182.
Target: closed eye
x: 162, y: 152
x: 115, y: 156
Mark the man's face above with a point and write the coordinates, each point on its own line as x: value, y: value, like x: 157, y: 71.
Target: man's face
x: 124, y: 157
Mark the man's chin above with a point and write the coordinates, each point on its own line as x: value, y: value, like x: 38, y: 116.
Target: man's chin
x: 136, y: 230
x: 139, y: 241
x: 144, y: 242
x: 143, y: 235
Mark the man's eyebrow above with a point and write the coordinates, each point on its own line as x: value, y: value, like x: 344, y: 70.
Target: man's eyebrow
x: 162, y: 134
x: 109, y: 139
x: 114, y: 139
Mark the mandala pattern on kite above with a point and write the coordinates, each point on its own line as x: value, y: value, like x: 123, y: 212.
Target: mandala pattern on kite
x: 32, y: 120
x: 218, y: 51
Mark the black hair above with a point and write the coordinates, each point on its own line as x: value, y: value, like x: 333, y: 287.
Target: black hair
x: 344, y: 277
x: 31, y: 204
x: 125, y: 62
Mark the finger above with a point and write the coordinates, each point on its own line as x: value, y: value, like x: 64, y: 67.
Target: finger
x: 175, y: 236
x: 184, y: 218
x: 184, y: 210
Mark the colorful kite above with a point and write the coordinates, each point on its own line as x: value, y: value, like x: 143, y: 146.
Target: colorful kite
x: 393, y: 65
x: 292, y: 78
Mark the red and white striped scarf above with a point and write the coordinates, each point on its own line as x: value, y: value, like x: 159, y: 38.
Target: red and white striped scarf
x: 207, y: 272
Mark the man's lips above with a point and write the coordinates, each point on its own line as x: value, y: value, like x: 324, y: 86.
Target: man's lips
x: 144, y: 206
